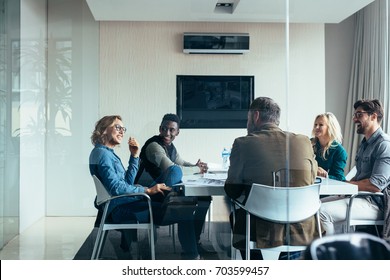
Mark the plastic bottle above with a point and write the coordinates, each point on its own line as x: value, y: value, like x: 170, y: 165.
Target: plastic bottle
x: 225, y: 158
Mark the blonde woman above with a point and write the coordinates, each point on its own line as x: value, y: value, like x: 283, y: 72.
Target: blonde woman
x: 330, y: 154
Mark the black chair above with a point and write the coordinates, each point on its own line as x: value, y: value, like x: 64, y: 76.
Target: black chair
x: 175, y: 208
x: 350, y: 246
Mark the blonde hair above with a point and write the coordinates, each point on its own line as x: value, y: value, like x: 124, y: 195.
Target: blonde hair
x: 334, y: 132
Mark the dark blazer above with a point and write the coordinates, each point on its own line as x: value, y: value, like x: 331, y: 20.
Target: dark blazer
x: 253, y: 159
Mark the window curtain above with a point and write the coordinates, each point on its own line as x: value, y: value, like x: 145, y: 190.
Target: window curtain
x: 369, y: 73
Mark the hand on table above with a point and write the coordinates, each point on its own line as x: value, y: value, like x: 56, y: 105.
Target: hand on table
x: 202, y: 166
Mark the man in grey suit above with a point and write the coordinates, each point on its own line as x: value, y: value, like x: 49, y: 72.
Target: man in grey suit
x: 254, y: 157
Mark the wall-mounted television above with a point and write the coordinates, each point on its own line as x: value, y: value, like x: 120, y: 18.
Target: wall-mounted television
x: 213, y: 101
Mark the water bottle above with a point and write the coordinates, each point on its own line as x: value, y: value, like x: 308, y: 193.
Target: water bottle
x: 225, y: 158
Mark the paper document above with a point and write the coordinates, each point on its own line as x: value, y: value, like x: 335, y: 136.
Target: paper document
x: 204, y: 182
x: 215, y: 175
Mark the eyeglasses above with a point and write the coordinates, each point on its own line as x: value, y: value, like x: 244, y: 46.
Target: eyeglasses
x: 119, y: 128
x: 359, y: 114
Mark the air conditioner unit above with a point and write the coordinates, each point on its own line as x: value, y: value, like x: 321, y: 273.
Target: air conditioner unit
x: 215, y: 43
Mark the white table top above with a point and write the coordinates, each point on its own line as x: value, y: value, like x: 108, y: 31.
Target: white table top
x: 335, y: 187
x: 213, y: 184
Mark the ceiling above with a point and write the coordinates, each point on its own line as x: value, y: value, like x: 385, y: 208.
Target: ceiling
x: 301, y: 11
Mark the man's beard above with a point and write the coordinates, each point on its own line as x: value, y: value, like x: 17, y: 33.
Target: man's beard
x: 360, y: 128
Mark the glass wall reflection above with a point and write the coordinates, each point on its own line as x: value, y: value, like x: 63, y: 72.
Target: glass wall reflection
x: 52, y: 93
x: 9, y: 117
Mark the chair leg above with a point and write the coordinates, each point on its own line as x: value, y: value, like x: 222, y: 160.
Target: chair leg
x: 152, y: 245
x: 173, y: 238
x: 209, y: 222
x: 97, y: 245
x: 319, y: 224
x: 100, y: 244
x: 248, y: 237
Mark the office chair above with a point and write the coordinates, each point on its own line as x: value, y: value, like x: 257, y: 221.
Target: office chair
x: 352, y: 222
x: 176, y: 208
x: 288, y: 177
x: 175, y: 204
x: 280, y: 205
x: 104, y: 198
x: 143, y: 178
x: 350, y: 246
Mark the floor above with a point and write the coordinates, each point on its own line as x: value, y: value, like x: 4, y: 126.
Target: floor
x: 60, y: 238
x: 51, y: 238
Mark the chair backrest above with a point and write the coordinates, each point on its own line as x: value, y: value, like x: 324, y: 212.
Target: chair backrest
x: 353, y: 246
x: 283, y: 204
x: 288, y: 177
x: 101, y: 192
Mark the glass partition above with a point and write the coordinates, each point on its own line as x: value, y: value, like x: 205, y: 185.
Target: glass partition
x: 69, y: 70
x: 9, y: 111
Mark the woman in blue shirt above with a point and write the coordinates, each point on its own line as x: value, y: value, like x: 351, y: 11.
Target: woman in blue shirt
x: 330, y: 154
x: 108, y: 167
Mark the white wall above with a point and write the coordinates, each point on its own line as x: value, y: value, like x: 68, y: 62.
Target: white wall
x: 139, y: 62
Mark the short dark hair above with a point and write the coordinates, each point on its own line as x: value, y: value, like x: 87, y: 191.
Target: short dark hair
x: 269, y: 110
x: 171, y: 118
x: 371, y: 106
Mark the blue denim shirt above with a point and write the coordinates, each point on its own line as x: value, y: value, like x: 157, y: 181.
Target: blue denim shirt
x: 373, y: 160
x: 107, y: 166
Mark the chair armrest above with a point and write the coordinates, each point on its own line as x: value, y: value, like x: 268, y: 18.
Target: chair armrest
x: 108, y: 201
x: 359, y: 194
x: 126, y: 195
x: 364, y: 193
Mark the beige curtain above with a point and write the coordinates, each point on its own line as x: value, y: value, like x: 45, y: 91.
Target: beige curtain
x: 369, y: 73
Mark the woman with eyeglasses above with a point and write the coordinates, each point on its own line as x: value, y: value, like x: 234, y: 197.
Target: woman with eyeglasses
x: 330, y: 154
x: 108, y: 167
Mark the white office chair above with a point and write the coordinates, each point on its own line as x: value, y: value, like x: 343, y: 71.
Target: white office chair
x: 281, y: 205
x: 352, y: 222
x: 104, y: 198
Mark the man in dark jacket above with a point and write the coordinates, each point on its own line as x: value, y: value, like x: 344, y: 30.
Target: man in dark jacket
x: 162, y: 161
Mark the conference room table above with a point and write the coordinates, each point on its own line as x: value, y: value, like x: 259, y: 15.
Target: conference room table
x: 212, y: 184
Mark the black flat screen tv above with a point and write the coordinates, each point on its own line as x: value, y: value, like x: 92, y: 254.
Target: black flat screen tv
x: 214, y: 101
